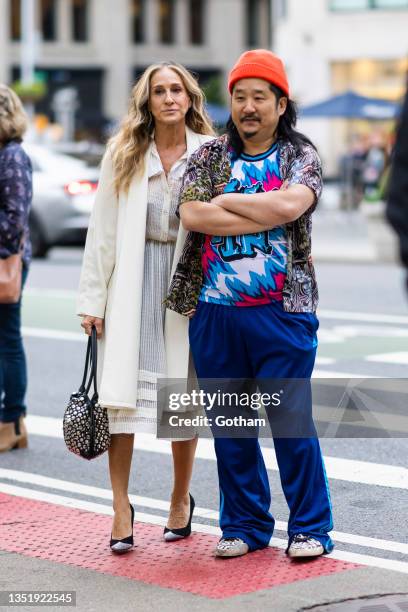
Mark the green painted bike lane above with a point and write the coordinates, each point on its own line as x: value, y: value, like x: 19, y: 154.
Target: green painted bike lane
x: 51, y: 310
x: 55, y: 310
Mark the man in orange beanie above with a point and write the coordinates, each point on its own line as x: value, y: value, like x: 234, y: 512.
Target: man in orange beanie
x: 247, y: 199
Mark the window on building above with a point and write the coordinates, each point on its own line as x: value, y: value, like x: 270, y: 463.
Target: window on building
x: 166, y: 21
x: 358, y: 5
x: 79, y: 17
x: 48, y: 19
x: 138, y: 8
x: 372, y: 78
x: 196, y: 21
x: 15, y: 19
x: 253, y: 22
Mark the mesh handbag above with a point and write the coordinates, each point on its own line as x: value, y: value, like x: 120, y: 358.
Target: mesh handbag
x: 86, y: 425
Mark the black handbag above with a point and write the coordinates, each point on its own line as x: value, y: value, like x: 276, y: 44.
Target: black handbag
x: 86, y: 424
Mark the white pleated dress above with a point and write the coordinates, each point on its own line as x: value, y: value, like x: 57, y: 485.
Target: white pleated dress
x: 161, y: 234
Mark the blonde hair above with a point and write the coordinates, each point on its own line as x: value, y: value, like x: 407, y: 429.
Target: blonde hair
x: 13, y: 118
x: 129, y: 145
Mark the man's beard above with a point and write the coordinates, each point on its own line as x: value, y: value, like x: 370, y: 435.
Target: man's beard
x: 248, y: 134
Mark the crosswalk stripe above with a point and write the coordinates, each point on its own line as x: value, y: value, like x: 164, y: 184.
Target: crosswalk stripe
x: 158, y: 504
x: 325, y: 360
x: 336, y: 374
x: 50, y: 293
x: 400, y: 358
x: 350, y: 470
x: 70, y: 502
x: 53, y: 334
x: 363, y: 316
x: 346, y: 332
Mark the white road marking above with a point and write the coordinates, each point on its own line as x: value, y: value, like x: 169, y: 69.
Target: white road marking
x: 370, y: 331
x: 70, y: 502
x: 350, y: 470
x: 400, y: 358
x: 53, y: 334
x: 326, y: 336
x: 363, y: 316
x: 50, y: 293
x: 329, y: 336
x: 336, y: 374
x: 158, y: 504
x: 340, y: 333
x: 323, y: 313
x: 325, y: 361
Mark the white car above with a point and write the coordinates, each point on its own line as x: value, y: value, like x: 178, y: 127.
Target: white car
x: 63, y: 195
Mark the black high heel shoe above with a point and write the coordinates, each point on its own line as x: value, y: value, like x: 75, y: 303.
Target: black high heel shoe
x: 170, y: 535
x: 125, y: 544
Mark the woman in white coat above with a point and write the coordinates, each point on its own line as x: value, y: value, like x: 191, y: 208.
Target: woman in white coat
x: 133, y: 244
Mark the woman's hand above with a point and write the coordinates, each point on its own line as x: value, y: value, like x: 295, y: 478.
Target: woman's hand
x: 87, y: 323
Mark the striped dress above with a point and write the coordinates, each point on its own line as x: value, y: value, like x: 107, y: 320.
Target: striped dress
x: 161, y: 234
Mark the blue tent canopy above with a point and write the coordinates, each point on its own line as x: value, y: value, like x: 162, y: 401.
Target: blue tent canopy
x: 352, y: 106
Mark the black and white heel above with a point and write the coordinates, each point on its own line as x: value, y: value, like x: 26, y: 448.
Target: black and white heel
x: 125, y: 544
x: 171, y: 535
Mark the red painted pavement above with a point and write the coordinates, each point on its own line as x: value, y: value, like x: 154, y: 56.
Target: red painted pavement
x: 80, y: 538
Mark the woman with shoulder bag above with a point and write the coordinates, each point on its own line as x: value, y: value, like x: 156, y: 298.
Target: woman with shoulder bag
x: 15, y: 256
x: 134, y: 241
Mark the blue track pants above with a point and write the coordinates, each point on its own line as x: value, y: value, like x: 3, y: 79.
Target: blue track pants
x: 263, y: 342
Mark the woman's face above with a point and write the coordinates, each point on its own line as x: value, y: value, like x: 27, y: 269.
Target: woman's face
x: 168, y: 98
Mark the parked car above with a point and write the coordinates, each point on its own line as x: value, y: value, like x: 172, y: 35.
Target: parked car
x: 63, y: 194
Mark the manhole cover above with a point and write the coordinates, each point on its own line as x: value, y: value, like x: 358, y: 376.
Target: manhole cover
x: 385, y: 603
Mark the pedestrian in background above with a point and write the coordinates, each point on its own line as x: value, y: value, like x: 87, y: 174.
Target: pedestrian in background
x: 252, y: 192
x: 132, y: 240
x: 374, y: 166
x: 397, y: 208
x: 15, y: 202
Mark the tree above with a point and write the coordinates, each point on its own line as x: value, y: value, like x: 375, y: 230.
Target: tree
x: 213, y: 91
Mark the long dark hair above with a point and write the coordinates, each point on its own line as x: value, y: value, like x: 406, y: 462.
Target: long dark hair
x: 286, y: 126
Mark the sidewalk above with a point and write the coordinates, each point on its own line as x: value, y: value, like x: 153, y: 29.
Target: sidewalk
x: 48, y: 546
x: 341, y: 236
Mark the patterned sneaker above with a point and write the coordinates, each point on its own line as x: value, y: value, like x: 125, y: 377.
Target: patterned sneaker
x: 305, y: 546
x: 231, y: 547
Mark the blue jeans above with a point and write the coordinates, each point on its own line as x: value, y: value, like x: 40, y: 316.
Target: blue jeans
x: 13, y: 367
x: 264, y: 342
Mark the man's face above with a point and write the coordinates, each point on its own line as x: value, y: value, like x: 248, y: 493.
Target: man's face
x: 254, y: 109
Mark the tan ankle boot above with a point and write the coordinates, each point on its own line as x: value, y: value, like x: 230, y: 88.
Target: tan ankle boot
x: 13, y: 435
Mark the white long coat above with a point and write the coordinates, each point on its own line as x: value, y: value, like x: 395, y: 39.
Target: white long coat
x: 111, y: 285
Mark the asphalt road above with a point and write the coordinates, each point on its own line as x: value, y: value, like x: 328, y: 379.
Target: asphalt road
x: 355, y: 329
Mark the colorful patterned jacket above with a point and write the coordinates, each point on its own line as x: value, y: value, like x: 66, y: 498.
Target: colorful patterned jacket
x: 208, y: 171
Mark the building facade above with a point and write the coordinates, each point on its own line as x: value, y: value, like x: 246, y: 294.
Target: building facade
x: 100, y: 46
x: 330, y: 46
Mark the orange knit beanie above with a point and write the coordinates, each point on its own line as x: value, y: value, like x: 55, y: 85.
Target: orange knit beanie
x: 260, y: 64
